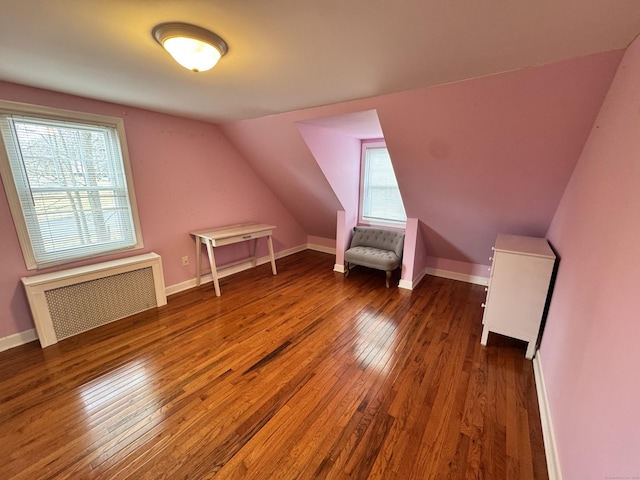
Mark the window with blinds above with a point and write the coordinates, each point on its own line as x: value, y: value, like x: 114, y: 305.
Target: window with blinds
x: 72, y: 194
x: 380, y: 199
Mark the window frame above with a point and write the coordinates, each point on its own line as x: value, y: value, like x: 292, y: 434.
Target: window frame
x: 368, y: 221
x: 17, y: 108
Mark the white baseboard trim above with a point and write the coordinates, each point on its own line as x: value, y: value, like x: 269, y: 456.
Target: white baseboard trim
x: 321, y: 248
x: 550, y: 448
x: 282, y: 254
x: 339, y: 268
x: 419, y: 278
x: 225, y: 272
x: 411, y: 284
x: 437, y: 272
x: 462, y: 277
x: 18, y: 339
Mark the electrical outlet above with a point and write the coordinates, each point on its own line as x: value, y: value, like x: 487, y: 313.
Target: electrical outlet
x: 185, y: 261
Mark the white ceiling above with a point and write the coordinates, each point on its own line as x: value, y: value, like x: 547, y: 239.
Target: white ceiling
x: 291, y: 54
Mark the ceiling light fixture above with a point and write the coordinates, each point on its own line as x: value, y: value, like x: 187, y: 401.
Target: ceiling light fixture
x: 192, y: 47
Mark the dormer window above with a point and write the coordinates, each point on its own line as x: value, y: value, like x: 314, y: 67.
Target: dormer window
x: 380, y: 199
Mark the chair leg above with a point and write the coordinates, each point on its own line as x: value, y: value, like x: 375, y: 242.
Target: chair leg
x: 388, y: 277
x: 346, y: 269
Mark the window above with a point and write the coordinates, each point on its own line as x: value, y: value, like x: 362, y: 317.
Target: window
x: 380, y: 200
x: 68, y: 183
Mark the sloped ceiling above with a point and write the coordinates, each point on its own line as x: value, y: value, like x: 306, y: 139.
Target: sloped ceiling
x: 286, y: 55
x: 277, y: 151
x: 472, y: 159
x: 480, y: 139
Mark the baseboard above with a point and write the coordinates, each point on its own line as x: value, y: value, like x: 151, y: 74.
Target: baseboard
x: 225, y: 272
x: 18, y: 339
x: 437, y: 272
x: 321, y: 248
x: 339, y: 268
x: 550, y: 448
x: 411, y: 284
x: 462, y: 277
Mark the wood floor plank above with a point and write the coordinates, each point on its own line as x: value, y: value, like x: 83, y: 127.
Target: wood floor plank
x: 306, y: 374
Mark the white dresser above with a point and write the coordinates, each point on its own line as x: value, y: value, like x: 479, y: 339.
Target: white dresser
x: 518, y: 286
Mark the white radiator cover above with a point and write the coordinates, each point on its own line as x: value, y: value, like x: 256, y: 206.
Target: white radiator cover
x: 72, y: 301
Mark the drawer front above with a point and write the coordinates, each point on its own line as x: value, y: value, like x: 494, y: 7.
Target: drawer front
x: 240, y: 238
x: 492, y: 259
x: 486, y: 301
x: 488, y: 287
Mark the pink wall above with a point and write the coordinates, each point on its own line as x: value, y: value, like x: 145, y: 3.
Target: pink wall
x: 409, y: 251
x: 589, y: 355
x: 421, y: 254
x: 338, y: 156
x: 329, y: 243
x: 473, y: 159
x: 464, y: 268
x: 492, y: 155
x: 187, y: 176
x: 343, y: 236
x: 278, y: 153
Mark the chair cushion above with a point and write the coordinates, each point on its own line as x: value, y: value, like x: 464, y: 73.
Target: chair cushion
x: 383, y: 239
x: 372, y: 257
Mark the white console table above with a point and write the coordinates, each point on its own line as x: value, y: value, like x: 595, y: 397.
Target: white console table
x: 217, y: 237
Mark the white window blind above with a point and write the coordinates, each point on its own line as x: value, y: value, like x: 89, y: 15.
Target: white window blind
x: 71, y: 185
x: 380, y: 198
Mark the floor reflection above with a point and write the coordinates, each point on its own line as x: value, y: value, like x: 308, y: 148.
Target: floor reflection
x: 114, y: 385
x: 376, y: 343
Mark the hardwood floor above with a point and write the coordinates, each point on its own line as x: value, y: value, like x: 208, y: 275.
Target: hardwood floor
x: 303, y: 375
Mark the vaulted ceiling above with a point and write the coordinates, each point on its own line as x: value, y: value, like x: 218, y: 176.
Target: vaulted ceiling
x: 303, y: 81
x: 287, y: 55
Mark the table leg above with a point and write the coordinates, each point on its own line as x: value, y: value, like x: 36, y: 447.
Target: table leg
x: 198, y: 255
x: 273, y: 258
x: 212, y: 263
x: 254, y: 262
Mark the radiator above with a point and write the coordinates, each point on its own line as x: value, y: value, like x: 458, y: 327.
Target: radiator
x: 73, y: 301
